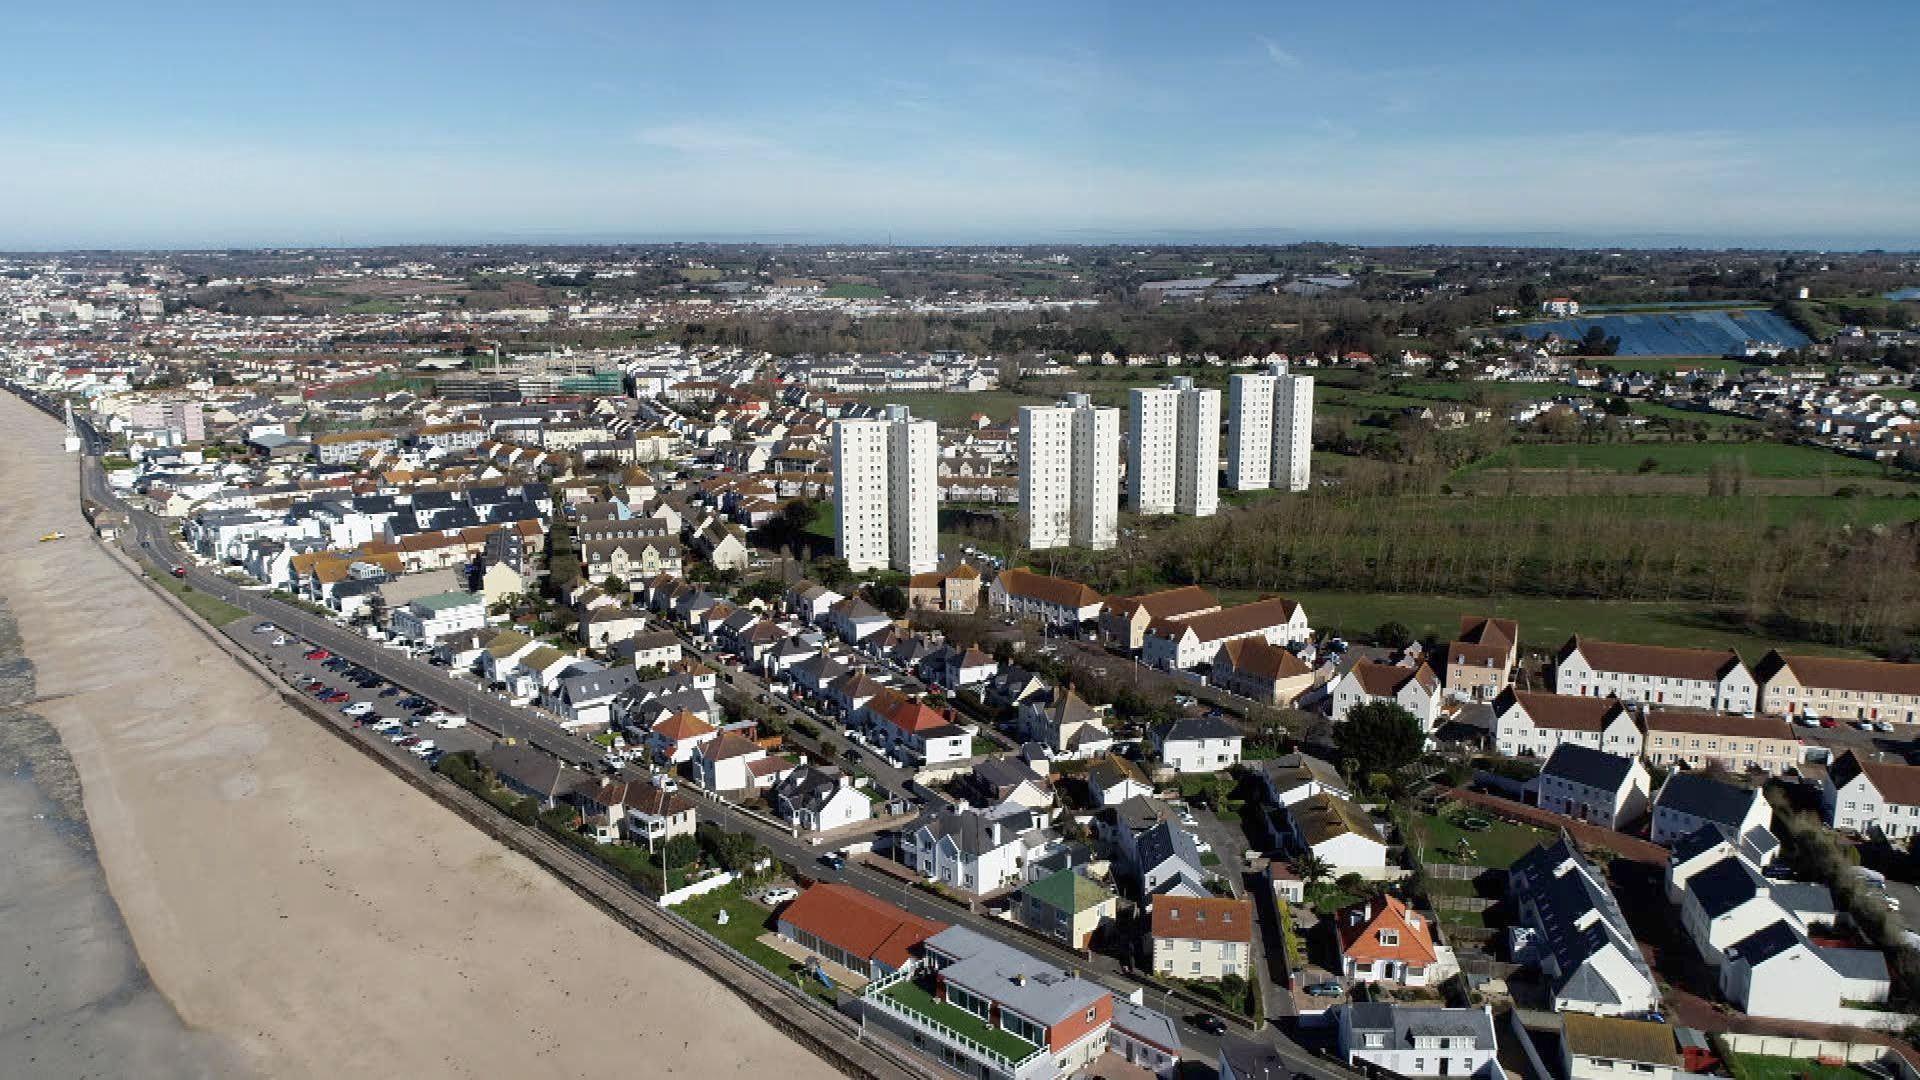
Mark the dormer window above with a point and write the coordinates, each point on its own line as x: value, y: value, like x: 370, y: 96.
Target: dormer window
x: 1389, y: 937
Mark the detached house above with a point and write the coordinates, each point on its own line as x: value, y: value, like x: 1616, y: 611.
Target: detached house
x: 819, y: 797
x: 1066, y: 725
x: 1202, y: 937
x: 1383, y: 940
x: 1656, y: 675
x: 1419, y: 1040
x: 1591, y: 785
x: 1339, y: 832
x: 1480, y: 660
x: 1412, y: 688
x: 1067, y: 907
x: 1200, y: 744
x: 911, y: 731
x: 859, y: 932
x: 978, y: 851
x: 1689, y: 801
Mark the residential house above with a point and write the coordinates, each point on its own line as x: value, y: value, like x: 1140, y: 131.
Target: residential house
x: 675, y: 738
x: 1339, y: 832
x: 1606, y: 1047
x: 1779, y: 972
x: 1568, y: 923
x: 1419, y: 1040
x: 999, y: 780
x: 1124, y: 622
x: 1656, y: 675
x: 637, y: 810
x: 430, y: 618
x: 953, y: 669
x: 1480, y: 659
x: 980, y: 851
x: 1825, y: 686
x: 1531, y: 724
x: 1013, y: 687
x: 1296, y: 776
x: 1067, y: 907
x: 1413, y: 688
x: 533, y: 773
x: 1186, y: 643
x: 1112, y: 780
x: 1591, y: 785
x: 604, y: 625
x: 653, y: 649
x: 585, y: 699
x: 1697, y: 739
x: 816, y: 798
x: 1254, y: 669
x: 1200, y: 744
x: 910, y: 731
x: 1381, y: 939
x: 736, y: 763
x: 1202, y: 937
x: 1166, y: 859
x: 1872, y: 798
x: 859, y: 932
x: 1688, y: 801
x: 954, y: 591
x: 1066, y: 725
x: 1055, y: 601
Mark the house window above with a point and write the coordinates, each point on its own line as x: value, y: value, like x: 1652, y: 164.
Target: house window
x: 1376, y: 1041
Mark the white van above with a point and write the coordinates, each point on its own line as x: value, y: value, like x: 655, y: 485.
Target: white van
x: 447, y: 720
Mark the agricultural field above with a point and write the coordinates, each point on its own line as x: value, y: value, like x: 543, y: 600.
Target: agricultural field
x: 1545, y: 622
x: 1761, y: 459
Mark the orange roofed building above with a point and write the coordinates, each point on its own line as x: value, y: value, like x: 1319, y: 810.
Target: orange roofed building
x: 1383, y: 940
x: 862, y: 933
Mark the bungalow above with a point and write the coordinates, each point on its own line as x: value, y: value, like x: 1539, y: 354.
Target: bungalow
x: 1414, y: 689
x: 533, y: 773
x: 1055, y: 601
x: 1201, y: 937
x: 1531, y: 724
x: 859, y: 932
x: 1602, y: 1047
x: 1001, y: 780
x: 1591, y: 785
x: 1183, y: 644
x: 1337, y: 831
x: 1013, y: 687
x: 1293, y: 777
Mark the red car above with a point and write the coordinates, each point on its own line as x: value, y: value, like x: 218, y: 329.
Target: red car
x: 337, y: 697
x: 1828, y: 721
x: 318, y: 654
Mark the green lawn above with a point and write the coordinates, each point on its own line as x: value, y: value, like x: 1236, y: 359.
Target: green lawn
x: 1497, y: 847
x: 953, y: 409
x: 1545, y: 622
x: 915, y: 997
x: 1325, y: 898
x: 211, y: 608
x: 1764, y: 1067
x: 850, y: 291
x: 746, y: 921
x: 1760, y: 458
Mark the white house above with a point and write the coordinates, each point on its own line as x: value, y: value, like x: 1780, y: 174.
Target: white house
x: 1591, y: 785
x: 1688, y: 801
x: 1200, y: 744
x: 1419, y: 1040
x: 1051, y: 600
x: 1415, y: 689
x: 1778, y: 972
x: 819, y: 797
x: 1600, y: 971
x: 430, y: 618
x: 1656, y: 675
x: 1872, y: 797
x: 1604, y: 1047
x: 975, y: 850
x: 1185, y: 643
x: 1339, y: 832
x: 1530, y: 724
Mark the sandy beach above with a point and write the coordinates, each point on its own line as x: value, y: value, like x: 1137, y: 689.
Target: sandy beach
x: 303, y: 912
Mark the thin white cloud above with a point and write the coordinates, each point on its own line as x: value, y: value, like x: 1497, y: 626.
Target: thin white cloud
x: 697, y: 137
x: 1278, y: 55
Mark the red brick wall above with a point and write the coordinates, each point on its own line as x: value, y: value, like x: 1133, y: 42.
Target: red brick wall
x: 1075, y: 1027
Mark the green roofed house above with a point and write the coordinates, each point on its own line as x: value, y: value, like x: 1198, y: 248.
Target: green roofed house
x: 1067, y: 907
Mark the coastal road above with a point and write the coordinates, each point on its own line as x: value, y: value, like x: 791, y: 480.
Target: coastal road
x: 153, y: 542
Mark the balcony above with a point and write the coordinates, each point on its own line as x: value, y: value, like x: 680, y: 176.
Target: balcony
x: 900, y: 995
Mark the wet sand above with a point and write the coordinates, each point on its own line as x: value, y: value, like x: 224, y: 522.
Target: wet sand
x: 303, y: 912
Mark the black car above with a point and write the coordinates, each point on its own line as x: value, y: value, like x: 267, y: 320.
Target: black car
x: 1208, y: 1023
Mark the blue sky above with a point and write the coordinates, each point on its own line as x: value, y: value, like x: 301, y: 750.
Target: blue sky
x: 1710, y: 122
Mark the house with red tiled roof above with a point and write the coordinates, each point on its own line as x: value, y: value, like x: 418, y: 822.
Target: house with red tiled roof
x: 1383, y: 940
x: 1479, y: 662
x: 859, y: 932
x: 909, y: 730
x: 1202, y: 937
x: 675, y: 738
x: 1412, y: 687
x: 1124, y: 622
x: 1656, y: 675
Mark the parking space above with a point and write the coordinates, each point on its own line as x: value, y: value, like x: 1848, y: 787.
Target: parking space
x: 356, y: 694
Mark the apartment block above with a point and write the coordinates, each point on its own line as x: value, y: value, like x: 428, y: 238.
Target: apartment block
x: 886, y: 487
x: 1070, y: 474
x: 1270, y: 431
x: 1173, y: 450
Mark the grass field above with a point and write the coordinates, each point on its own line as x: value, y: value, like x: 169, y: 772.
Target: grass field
x: 1545, y: 622
x: 954, y: 409
x: 1763, y: 1067
x: 1760, y: 458
x: 1498, y: 846
x: 211, y: 608
x: 850, y: 291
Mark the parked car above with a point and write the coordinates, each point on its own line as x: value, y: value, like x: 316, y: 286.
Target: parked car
x: 1208, y: 1023
x: 337, y: 697
x: 357, y: 708
x: 1827, y: 722
x: 317, y: 653
x: 778, y: 895
x: 264, y: 628
x: 1325, y: 989
x: 178, y: 571
x: 390, y: 691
